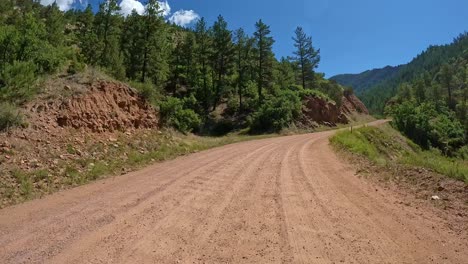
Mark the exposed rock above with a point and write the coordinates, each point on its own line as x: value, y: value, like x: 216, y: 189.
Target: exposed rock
x: 107, y: 107
x: 104, y: 107
x: 321, y: 111
x: 351, y: 104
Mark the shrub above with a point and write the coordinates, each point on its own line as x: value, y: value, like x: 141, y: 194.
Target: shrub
x: 76, y: 67
x: 18, y: 80
x: 148, y: 91
x: 277, y: 113
x: 463, y: 153
x: 9, y: 116
x: 50, y: 59
x: 173, y: 114
x: 348, y: 91
x: 427, y: 126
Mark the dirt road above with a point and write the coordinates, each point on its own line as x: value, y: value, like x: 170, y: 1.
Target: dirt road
x: 279, y: 200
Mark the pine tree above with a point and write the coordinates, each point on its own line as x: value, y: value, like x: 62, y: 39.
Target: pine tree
x: 446, y: 78
x: 202, y: 54
x: 188, y: 49
x: 222, y: 57
x: 108, y: 24
x: 55, y: 25
x: 307, y: 57
x: 87, y: 38
x: 242, y: 52
x: 285, y: 77
x: 264, y: 44
x: 156, y: 48
x: 177, y: 65
x: 419, y: 91
x: 132, y: 43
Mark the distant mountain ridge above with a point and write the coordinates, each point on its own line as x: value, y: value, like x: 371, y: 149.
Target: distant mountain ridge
x: 363, y: 81
x: 376, y: 87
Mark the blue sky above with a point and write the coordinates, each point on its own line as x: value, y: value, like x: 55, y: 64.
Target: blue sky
x: 353, y: 35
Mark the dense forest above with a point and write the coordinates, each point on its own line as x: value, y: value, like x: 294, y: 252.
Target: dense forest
x: 207, y: 78
x: 366, y: 80
x: 427, y: 97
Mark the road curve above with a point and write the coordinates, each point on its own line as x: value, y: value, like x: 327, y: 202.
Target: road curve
x: 278, y: 200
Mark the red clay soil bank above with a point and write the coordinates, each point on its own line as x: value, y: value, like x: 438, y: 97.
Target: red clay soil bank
x: 324, y: 112
x: 105, y: 107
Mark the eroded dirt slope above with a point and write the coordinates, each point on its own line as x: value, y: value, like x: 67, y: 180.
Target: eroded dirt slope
x: 281, y: 200
x: 67, y: 131
x: 317, y: 110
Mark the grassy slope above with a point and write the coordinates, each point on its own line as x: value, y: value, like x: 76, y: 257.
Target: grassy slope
x: 385, y: 146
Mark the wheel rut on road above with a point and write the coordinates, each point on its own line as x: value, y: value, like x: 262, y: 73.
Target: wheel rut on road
x: 278, y: 200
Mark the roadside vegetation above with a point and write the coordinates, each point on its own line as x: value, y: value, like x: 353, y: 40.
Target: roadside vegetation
x: 386, y: 147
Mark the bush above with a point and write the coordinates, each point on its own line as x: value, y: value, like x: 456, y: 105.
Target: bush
x: 50, y: 59
x: 18, y: 80
x: 277, y: 113
x: 173, y: 114
x: 76, y: 67
x: 9, y: 116
x: 427, y: 126
x: 463, y: 153
x: 148, y: 91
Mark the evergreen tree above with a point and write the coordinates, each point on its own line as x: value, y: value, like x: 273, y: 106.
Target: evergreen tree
x: 177, y: 64
x: 55, y: 25
x: 243, y: 52
x: 87, y: 37
x: 108, y: 25
x: 132, y: 43
x: 446, y: 79
x: 222, y: 56
x: 419, y: 91
x: 264, y: 44
x: 202, y: 54
x: 307, y: 57
x: 189, y: 46
x: 285, y: 76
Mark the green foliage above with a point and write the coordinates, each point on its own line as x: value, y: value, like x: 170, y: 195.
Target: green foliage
x: 307, y: 58
x: 18, y: 81
x: 264, y: 44
x: 434, y: 160
x: 427, y: 126
x: 50, y: 59
x: 25, y: 183
x: 383, y: 146
x: 148, y: 91
x: 366, y: 80
x: 435, y: 66
x: 97, y: 170
x: 277, y: 113
x: 175, y: 115
x: 356, y: 142
x: 9, y: 116
x: 76, y: 67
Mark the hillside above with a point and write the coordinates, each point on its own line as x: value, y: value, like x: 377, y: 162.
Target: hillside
x: 366, y: 80
x: 205, y: 79
x: 376, y: 87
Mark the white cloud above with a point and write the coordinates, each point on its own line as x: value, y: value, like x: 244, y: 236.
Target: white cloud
x: 181, y: 17
x: 127, y: 7
x: 63, y: 5
x: 184, y: 17
x: 165, y: 8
